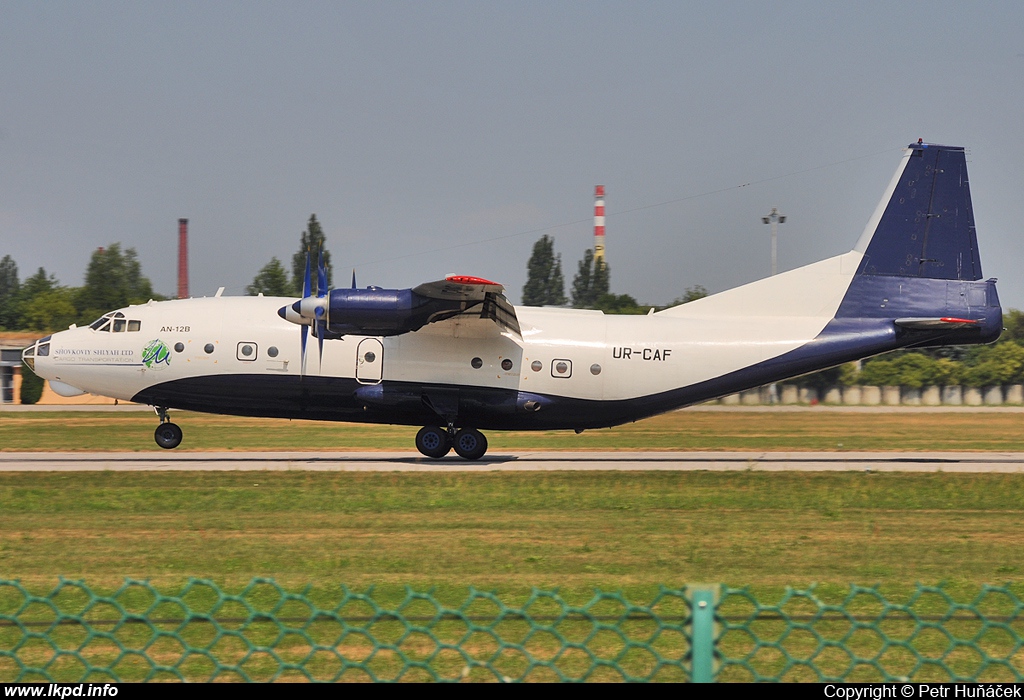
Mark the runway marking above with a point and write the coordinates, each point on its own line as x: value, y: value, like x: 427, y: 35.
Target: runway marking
x: 962, y: 462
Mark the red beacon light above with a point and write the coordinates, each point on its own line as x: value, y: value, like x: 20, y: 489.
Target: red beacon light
x: 467, y: 279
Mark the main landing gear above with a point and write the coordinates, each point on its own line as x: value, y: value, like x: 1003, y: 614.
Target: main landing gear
x: 434, y: 441
x: 167, y: 435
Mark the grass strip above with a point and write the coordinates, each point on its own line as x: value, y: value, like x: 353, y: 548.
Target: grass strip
x: 679, y: 430
x: 510, y: 532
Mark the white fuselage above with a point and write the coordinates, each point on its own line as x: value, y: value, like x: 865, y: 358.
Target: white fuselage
x: 581, y: 354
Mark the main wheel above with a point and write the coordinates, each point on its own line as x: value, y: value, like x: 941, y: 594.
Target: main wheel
x: 470, y: 444
x: 167, y: 435
x: 433, y: 441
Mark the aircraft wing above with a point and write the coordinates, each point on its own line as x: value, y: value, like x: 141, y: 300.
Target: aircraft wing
x: 476, y: 296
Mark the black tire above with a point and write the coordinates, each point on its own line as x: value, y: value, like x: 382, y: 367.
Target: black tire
x: 470, y: 444
x: 433, y: 442
x: 168, y: 436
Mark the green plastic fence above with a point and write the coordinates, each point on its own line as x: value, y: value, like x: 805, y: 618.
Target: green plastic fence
x: 699, y: 633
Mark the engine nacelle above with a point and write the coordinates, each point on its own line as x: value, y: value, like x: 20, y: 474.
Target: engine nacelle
x: 376, y: 311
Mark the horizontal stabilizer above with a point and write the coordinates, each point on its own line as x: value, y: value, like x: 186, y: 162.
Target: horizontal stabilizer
x: 934, y: 324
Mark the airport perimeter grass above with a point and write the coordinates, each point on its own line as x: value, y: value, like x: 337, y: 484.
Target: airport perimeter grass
x: 508, y: 532
x: 511, y: 531
x: 505, y: 532
x: 691, y: 429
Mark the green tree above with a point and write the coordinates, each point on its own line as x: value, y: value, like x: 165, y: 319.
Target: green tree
x: 912, y: 369
x: 947, y: 372
x: 693, y: 293
x: 113, y: 280
x: 31, y: 386
x: 545, y: 284
x: 620, y: 304
x: 9, y: 293
x: 49, y: 311
x: 312, y: 241
x: 591, y: 282
x: 879, y: 373
x: 1002, y: 363
x: 1013, y: 321
x: 271, y: 280
x: 38, y: 283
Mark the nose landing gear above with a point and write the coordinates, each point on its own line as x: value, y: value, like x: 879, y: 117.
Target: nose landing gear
x: 167, y: 435
x: 436, y: 442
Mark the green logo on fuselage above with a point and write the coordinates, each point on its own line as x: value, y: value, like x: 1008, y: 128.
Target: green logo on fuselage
x: 156, y: 353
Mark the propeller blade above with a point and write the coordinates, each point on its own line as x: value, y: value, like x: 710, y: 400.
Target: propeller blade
x: 306, y: 291
x: 321, y: 275
x: 321, y: 328
x: 320, y: 340
x: 305, y: 329
x: 302, y: 371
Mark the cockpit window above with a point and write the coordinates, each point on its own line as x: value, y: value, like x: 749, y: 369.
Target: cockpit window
x: 116, y: 322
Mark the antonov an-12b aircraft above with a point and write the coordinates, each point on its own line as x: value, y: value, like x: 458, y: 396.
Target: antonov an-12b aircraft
x: 455, y: 357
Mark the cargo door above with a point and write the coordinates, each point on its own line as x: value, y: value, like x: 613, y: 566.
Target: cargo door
x: 370, y: 361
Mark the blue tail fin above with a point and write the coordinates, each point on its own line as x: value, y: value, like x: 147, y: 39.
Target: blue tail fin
x: 927, y: 227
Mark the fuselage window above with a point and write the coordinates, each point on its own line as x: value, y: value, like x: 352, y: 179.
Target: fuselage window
x: 272, y: 351
x: 536, y: 366
x: 179, y: 347
x: 246, y: 351
x: 561, y: 368
x: 134, y: 326
x: 208, y: 348
x: 506, y: 364
x: 476, y: 363
x: 119, y: 325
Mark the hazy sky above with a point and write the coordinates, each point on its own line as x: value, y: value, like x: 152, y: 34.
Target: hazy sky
x: 434, y: 137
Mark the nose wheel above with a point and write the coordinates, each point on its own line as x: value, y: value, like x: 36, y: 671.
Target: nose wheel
x: 167, y: 435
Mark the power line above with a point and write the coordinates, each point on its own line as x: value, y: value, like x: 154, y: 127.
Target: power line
x: 644, y: 207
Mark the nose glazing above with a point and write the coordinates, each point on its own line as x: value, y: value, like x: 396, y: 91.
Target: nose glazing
x: 40, y: 348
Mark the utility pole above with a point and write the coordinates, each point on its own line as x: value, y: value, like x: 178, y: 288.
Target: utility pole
x: 774, y: 218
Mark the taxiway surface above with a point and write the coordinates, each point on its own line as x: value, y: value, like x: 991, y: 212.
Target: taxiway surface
x: 1003, y: 462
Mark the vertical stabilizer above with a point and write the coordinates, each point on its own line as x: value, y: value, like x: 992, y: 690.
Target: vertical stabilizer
x: 927, y: 227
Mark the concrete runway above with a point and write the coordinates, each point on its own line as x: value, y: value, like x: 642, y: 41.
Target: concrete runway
x: 1002, y: 462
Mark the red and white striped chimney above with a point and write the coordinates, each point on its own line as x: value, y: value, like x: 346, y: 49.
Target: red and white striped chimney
x: 599, y: 223
x: 183, y: 258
